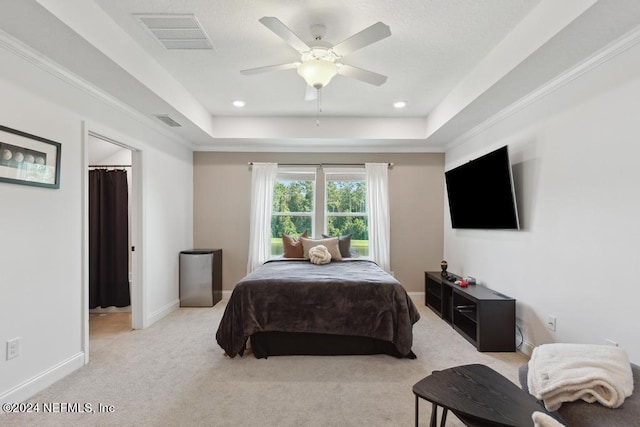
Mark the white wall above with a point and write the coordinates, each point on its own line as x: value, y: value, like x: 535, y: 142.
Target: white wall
x: 41, y: 230
x: 40, y: 249
x: 168, y: 228
x: 575, y: 160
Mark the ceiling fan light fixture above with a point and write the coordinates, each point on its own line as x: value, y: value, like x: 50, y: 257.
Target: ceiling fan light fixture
x: 317, y: 72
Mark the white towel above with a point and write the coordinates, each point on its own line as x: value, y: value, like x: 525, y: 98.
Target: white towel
x: 540, y: 419
x: 319, y: 255
x: 561, y: 373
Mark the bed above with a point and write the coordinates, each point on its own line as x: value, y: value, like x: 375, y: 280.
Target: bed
x: 291, y: 306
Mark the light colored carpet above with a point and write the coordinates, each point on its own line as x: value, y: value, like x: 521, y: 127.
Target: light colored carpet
x: 175, y: 374
x: 106, y: 327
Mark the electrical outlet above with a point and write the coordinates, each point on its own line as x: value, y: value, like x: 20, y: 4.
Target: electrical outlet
x: 13, y: 348
x: 551, y: 323
x: 611, y: 342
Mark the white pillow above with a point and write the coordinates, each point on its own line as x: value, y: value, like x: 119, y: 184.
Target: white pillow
x: 331, y: 244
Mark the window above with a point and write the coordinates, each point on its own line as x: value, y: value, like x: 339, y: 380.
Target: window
x: 293, y: 205
x: 346, y: 206
x: 344, y: 202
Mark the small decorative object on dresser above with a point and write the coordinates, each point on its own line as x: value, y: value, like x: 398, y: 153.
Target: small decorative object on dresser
x: 444, y: 265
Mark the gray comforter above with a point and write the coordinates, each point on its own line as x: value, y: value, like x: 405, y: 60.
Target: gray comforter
x: 354, y: 297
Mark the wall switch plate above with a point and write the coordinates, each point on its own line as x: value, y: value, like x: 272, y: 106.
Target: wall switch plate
x: 13, y: 348
x: 551, y: 323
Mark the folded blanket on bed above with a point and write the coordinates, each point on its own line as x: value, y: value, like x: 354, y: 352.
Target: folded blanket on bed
x: 561, y: 373
x: 319, y: 255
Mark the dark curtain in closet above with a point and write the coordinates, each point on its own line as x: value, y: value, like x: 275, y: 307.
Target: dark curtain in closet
x: 108, y: 238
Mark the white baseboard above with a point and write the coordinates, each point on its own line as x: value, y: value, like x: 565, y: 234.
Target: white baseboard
x: 24, y: 391
x: 226, y: 295
x: 526, y: 348
x: 162, y: 312
x: 416, y: 297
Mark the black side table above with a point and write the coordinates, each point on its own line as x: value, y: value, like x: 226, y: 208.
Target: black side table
x: 478, y: 396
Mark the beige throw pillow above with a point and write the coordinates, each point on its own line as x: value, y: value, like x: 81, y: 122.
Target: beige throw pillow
x: 344, y: 243
x: 331, y: 244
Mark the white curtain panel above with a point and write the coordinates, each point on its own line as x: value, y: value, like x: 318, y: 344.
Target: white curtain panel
x: 378, y: 210
x: 263, y: 178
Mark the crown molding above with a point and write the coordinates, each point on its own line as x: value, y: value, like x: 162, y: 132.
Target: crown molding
x: 320, y: 145
x: 27, y: 53
x: 605, y: 54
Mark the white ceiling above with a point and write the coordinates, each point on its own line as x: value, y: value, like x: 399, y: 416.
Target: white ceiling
x: 457, y: 63
x: 433, y: 45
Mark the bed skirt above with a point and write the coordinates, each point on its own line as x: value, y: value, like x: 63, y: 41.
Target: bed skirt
x: 265, y: 344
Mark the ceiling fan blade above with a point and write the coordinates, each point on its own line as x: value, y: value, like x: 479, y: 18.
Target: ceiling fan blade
x: 259, y: 70
x: 369, y: 35
x: 360, y: 74
x: 275, y: 25
x: 311, y: 94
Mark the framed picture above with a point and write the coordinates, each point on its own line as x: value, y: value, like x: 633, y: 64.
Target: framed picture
x: 28, y: 159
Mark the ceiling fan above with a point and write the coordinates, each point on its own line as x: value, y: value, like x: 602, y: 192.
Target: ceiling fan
x: 317, y: 65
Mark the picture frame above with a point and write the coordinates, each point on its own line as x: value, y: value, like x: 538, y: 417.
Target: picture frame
x: 29, y: 159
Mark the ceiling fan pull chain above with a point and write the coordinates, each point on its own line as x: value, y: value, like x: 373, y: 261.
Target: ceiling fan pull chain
x: 318, y: 108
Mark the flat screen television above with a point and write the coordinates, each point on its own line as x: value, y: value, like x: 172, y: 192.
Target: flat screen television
x: 481, y: 194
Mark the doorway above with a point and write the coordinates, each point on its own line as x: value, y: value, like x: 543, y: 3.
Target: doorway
x: 112, y: 303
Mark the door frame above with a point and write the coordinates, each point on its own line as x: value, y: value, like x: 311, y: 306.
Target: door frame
x: 138, y: 300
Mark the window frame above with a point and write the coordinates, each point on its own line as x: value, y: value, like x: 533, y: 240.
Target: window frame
x: 288, y: 173
x: 342, y: 175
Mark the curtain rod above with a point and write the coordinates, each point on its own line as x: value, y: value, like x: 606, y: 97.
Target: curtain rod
x: 109, y: 166
x: 322, y: 164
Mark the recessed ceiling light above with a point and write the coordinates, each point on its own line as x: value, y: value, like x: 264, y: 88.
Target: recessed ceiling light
x: 238, y: 103
x: 400, y: 104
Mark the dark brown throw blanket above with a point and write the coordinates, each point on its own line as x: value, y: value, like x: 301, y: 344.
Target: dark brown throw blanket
x: 354, y: 297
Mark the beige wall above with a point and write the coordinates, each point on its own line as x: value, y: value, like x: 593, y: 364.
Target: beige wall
x: 222, y: 187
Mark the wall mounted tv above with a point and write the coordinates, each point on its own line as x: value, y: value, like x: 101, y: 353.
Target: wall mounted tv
x: 481, y: 194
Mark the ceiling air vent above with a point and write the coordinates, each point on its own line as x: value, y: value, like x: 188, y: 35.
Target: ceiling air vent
x: 181, y: 31
x: 164, y: 118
